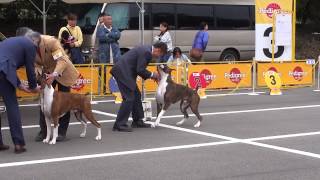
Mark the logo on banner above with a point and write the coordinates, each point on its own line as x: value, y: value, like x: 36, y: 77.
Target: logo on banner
x: 202, y: 79
x: 271, y: 9
x: 297, y: 73
x: 235, y: 75
x: 81, y: 82
x: 271, y: 69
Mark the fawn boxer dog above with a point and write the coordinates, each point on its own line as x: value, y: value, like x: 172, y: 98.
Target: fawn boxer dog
x: 55, y: 104
x: 169, y: 92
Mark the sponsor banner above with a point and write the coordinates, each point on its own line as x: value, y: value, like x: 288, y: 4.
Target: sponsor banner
x: 298, y: 73
x: 217, y: 76
x: 266, y: 8
x: 264, y: 23
x: 83, y: 84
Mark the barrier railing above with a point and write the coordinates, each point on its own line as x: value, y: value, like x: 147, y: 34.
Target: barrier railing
x: 96, y: 79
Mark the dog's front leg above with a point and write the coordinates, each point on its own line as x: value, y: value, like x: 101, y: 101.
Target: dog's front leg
x: 48, y: 123
x: 55, y: 131
x: 157, y: 122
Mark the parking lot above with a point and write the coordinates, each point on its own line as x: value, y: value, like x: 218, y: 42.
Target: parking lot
x: 241, y: 137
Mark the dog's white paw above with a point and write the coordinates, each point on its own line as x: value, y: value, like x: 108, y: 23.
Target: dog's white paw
x: 153, y: 125
x: 197, y: 124
x: 52, y: 142
x: 82, y: 135
x: 98, y: 138
x: 46, y: 141
x: 180, y: 122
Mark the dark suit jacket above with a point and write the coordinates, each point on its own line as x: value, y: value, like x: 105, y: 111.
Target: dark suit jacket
x: 132, y: 64
x: 16, y: 52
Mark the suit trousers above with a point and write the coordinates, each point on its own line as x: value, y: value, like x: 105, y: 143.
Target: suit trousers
x: 8, y: 93
x: 131, y: 104
x: 63, y: 121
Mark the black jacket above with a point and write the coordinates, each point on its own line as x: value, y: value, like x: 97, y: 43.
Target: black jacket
x: 131, y: 64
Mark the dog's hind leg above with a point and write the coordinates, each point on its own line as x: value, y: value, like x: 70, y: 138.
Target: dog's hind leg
x: 49, y: 130
x: 88, y: 113
x: 157, y: 122
x: 184, y: 111
x: 78, y: 115
x: 194, y: 109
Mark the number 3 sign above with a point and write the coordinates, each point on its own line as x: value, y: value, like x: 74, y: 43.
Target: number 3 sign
x: 273, y: 82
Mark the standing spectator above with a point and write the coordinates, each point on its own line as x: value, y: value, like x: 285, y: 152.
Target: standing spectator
x: 14, y: 53
x: 164, y: 37
x: 200, y: 42
x: 74, y: 41
x: 181, y: 61
x: 108, y: 36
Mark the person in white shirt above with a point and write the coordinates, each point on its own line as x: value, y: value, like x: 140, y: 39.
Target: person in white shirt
x: 164, y: 37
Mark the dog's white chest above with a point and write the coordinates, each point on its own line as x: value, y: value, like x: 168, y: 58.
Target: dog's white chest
x: 46, y: 100
x: 162, y: 89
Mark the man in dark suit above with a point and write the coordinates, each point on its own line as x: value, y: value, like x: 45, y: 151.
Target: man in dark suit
x: 14, y: 53
x: 125, y: 71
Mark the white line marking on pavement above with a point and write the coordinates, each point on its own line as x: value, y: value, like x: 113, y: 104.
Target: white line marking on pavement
x: 232, y: 94
x: 284, y: 136
x: 121, y: 153
x: 104, y: 113
x: 245, y: 141
x: 248, y: 111
x: 73, y: 123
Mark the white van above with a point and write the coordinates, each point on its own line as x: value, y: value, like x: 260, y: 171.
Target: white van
x: 231, y: 25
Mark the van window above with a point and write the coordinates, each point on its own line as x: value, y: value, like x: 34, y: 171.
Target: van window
x: 190, y: 16
x: 232, y: 17
x: 163, y: 12
x: 134, y: 17
x: 120, y: 15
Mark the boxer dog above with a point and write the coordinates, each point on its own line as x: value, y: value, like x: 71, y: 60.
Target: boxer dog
x: 55, y: 104
x: 169, y: 92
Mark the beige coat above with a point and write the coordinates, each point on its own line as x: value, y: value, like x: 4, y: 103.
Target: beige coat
x: 49, y: 60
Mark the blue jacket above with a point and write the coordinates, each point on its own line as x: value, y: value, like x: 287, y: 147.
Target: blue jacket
x: 107, y: 39
x: 131, y: 64
x: 201, y: 40
x: 16, y: 52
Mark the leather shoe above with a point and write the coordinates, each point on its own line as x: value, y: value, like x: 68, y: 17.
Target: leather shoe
x: 140, y: 124
x: 122, y: 128
x: 18, y: 149
x: 4, y: 147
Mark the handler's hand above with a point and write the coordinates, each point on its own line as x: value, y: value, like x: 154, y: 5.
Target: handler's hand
x: 24, y: 88
x: 50, y: 78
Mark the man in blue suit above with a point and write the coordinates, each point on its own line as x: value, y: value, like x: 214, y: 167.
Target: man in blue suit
x: 125, y: 71
x: 14, y: 53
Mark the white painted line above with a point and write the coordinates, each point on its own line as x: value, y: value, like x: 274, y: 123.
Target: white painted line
x: 104, y: 113
x: 72, y: 124
x: 121, y: 153
x: 103, y: 101
x: 232, y: 94
x: 284, y: 136
x: 247, y: 111
x: 244, y: 141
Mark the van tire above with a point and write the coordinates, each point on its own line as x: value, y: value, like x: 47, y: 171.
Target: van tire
x: 229, y: 55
